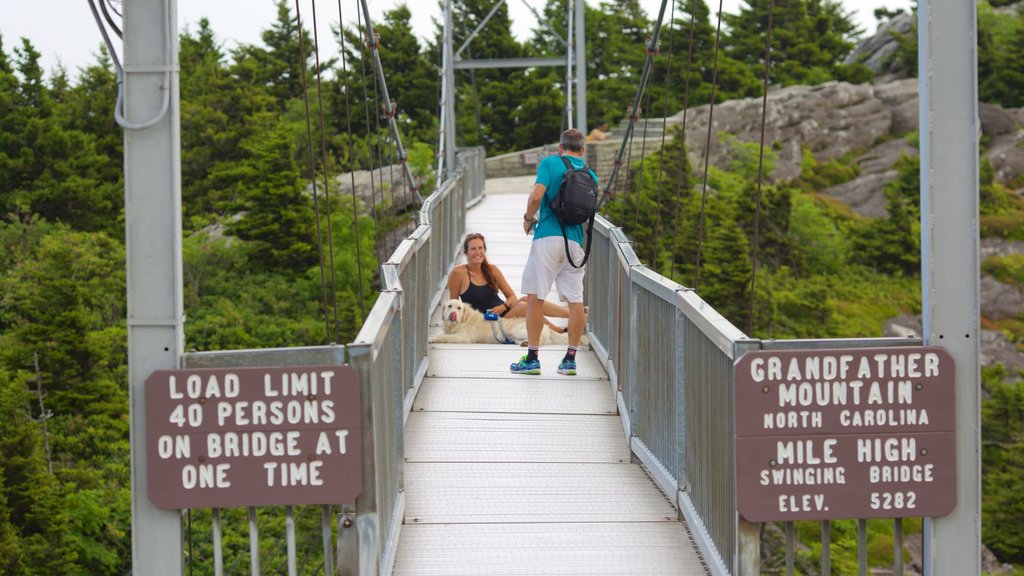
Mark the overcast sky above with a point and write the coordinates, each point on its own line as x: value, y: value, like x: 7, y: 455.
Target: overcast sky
x: 64, y: 30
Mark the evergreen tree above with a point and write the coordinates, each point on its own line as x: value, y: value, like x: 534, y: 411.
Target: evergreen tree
x: 810, y: 39
x: 32, y: 495
x: 731, y: 78
x: 893, y: 244
x: 277, y: 67
x: 64, y: 303
x: 277, y: 216
x: 215, y: 109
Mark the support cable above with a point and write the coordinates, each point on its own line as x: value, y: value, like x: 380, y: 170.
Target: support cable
x: 640, y: 173
x: 683, y: 158
x: 351, y: 161
x: 378, y: 140
x: 443, y: 94
x: 327, y: 180
x: 369, y: 140
x: 166, y: 69
x: 760, y: 168
x: 392, y: 123
x: 108, y: 18
x: 312, y: 172
x: 707, y: 147
x: 651, y: 49
x: 664, y: 129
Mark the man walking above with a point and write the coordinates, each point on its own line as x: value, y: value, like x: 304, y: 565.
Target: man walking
x: 547, y: 262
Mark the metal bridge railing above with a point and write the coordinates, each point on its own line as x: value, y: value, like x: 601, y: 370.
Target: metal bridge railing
x: 390, y: 354
x: 670, y: 357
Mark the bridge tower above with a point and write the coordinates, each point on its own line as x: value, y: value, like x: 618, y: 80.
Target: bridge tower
x: 950, y: 303
x: 574, y: 60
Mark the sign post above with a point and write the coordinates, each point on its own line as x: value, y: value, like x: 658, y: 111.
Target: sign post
x: 845, y: 433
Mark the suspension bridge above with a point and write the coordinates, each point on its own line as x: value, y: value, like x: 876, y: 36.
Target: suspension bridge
x: 631, y: 467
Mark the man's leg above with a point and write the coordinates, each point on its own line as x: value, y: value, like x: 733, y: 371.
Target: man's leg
x: 534, y: 319
x: 530, y: 364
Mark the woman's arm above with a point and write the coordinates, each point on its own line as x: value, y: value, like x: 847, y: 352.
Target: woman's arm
x: 505, y: 287
x: 455, y: 281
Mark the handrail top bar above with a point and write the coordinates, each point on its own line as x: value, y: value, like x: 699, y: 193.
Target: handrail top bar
x: 403, y: 254
x: 655, y: 283
x: 627, y: 257
x: 828, y: 343
x: 716, y: 327
x: 372, y: 333
x: 296, y: 356
x: 389, y: 278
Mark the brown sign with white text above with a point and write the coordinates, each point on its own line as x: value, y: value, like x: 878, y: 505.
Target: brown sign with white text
x: 219, y: 438
x: 845, y: 433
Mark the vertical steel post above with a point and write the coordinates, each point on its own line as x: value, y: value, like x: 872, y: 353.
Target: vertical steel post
x: 449, y: 85
x: 570, y: 46
x: 581, y: 66
x: 948, y: 72
x: 152, y: 176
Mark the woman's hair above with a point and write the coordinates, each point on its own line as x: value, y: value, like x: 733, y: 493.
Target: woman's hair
x: 485, y: 266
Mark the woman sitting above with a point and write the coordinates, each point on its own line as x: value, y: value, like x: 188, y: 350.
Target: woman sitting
x: 478, y: 283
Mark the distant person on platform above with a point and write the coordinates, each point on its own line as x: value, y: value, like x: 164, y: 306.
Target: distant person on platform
x: 599, y: 133
x: 547, y: 263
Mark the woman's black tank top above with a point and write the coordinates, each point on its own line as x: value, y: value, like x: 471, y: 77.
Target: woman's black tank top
x: 482, y: 298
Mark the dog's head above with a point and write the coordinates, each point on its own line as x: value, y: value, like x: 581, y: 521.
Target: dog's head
x: 453, y: 312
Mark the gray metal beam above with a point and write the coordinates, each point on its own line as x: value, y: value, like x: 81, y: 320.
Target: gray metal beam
x: 152, y: 174
x: 581, y: 66
x: 479, y: 27
x: 569, y: 60
x: 950, y: 130
x: 449, y: 91
x: 509, y: 63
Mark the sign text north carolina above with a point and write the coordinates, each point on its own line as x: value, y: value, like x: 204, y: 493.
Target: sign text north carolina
x: 219, y: 438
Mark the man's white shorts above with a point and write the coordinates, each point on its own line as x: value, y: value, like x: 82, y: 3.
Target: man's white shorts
x: 548, y: 265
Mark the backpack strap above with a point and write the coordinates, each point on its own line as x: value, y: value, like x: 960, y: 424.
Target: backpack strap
x: 586, y: 250
x: 565, y: 234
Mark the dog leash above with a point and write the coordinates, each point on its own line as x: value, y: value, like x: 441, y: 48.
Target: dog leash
x: 496, y: 325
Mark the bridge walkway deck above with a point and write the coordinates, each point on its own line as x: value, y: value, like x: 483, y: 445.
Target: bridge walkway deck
x: 526, y: 475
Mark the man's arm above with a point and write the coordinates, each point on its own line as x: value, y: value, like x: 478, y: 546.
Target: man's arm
x: 533, y: 205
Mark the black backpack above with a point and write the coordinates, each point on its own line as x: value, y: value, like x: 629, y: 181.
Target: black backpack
x: 576, y: 203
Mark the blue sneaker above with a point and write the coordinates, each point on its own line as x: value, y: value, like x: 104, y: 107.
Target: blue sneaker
x: 567, y: 367
x: 525, y: 366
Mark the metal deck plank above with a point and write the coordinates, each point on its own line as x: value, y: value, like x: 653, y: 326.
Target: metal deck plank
x: 501, y: 492
x: 492, y: 361
x: 624, y: 549
x: 482, y: 437
x: 516, y: 394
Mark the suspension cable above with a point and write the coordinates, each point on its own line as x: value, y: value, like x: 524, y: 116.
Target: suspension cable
x: 379, y: 147
x: 707, y: 147
x: 640, y: 175
x: 683, y: 158
x: 312, y: 172
x: 760, y: 168
x: 392, y: 116
x: 636, y: 103
x: 351, y: 161
x: 369, y: 139
x: 327, y: 178
x: 664, y: 129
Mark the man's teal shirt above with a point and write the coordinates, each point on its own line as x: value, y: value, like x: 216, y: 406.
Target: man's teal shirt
x: 550, y: 173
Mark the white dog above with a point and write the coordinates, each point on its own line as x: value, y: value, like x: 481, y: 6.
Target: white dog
x: 465, y: 325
